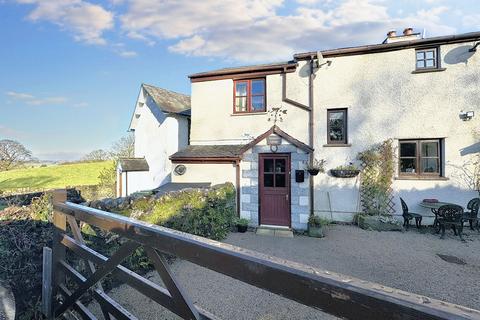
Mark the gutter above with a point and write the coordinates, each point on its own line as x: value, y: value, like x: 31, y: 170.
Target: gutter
x: 375, y: 48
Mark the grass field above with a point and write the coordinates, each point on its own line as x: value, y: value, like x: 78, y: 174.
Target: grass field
x: 51, y: 177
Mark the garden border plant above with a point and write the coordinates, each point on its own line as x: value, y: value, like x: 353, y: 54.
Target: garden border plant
x: 376, y: 179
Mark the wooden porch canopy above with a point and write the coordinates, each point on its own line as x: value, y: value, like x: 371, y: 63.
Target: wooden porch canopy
x: 231, y: 153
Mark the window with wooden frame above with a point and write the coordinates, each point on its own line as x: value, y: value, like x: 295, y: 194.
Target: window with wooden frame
x: 420, y: 158
x: 337, y: 126
x: 249, y: 96
x: 427, y: 58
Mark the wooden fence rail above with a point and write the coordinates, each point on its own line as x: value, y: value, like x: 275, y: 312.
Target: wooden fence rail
x: 336, y: 294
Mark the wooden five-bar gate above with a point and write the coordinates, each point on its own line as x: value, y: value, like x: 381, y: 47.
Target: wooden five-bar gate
x: 336, y: 294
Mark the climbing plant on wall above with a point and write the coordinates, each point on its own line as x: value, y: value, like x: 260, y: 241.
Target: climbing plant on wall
x: 376, y: 179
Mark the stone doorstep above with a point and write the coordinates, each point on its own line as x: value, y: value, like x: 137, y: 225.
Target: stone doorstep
x: 273, y: 231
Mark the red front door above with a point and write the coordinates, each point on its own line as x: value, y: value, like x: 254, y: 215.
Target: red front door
x: 274, y: 189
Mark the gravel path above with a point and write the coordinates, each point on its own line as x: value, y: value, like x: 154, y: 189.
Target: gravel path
x: 407, y: 261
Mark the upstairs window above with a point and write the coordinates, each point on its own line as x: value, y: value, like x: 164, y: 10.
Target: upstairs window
x: 420, y: 158
x: 427, y: 58
x: 337, y: 126
x: 249, y: 96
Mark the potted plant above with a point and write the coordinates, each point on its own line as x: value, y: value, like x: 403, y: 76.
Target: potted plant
x: 316, y: 226
x: 242, y: 225
x: 316, y: 166
x: 349, y: 171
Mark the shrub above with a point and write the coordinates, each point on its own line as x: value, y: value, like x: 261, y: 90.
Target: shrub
x: 207, y: 213
x: 317, y: 221
x: 41, y: 207
x: 21, y: 243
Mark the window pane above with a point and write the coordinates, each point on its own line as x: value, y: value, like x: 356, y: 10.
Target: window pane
x: 258, y: 103
x: 429, y: 54
x: 240, y: 88
x: 337, y: 125
x: 408, y: 149
x: 280, y: 165
x: 408, y: 165
x: 268, y: 165
x: 430, y: 165
x: 430, y: 63
x: 429, y: 149
x: 241, y: 104
x: 258, y: 87
x: 420, y: 55
x: 280, y: 180
x: 421, y: 64
x: 268, y: 180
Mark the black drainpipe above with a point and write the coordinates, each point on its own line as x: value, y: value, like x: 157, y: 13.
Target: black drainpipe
x: 311, y: 130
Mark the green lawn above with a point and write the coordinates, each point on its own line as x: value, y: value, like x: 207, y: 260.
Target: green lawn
x: 52, y: 177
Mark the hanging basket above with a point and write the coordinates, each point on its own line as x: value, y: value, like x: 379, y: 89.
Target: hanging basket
x: 344, y: 173
x: 313, y: 172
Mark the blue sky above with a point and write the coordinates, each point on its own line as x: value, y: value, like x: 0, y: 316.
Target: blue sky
x: 71, y: 69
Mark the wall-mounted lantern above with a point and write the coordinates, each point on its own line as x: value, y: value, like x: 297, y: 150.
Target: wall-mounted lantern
x: 274, y: 141
x: 466, y: 115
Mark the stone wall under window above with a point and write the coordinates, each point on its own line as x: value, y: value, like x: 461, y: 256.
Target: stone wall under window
x: 249, y: 185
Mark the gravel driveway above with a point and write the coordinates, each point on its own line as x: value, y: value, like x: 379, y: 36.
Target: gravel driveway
x: 407, y: 261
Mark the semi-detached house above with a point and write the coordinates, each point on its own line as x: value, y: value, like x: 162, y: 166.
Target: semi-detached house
x: 424, y: 93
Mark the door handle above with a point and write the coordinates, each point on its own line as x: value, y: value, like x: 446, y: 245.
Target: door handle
x: 286, y: 197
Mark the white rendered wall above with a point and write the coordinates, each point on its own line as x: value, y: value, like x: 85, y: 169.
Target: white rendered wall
x: 385, y: 100
x: 157, y: 136
x: 215, y: 173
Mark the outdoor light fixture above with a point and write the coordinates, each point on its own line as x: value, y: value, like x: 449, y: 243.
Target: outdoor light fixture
x: 274, y: 141
x: 474, y: 49
x: 466, y: 115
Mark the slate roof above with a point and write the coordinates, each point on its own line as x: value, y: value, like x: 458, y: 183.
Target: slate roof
x: 169, y: 101
x: 232, y: 152
x: 133, y: 164
x: 211, y: 152
x: 244, y: 69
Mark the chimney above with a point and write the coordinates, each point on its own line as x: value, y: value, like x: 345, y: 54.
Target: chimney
x: 408, y: 31
x: 391, y: 34
x: 407, y: 35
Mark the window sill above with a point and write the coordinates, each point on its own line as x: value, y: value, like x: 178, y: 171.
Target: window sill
x: 422, y: 178
x: 428, y: 70
x: 337, y: 145
x: 247, y: 114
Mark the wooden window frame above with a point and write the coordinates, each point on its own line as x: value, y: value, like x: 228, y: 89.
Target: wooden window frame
x: 436, y: 60
x: 345, y: 127
x: 418, y: 159
x: 249, y: 95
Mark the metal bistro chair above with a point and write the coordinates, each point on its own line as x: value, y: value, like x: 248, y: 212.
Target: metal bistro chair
x: 451, y: 215
x: 472, y: 215
x: 407, y: 216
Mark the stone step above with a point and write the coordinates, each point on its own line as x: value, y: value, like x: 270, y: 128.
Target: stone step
x: 274, y: 231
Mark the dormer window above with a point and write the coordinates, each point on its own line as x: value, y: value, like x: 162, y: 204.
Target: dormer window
x: 427, y: 58
x: 249, y: 96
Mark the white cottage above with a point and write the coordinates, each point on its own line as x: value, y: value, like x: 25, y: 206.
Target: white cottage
x: 160, y: 123
x: 422, y: 93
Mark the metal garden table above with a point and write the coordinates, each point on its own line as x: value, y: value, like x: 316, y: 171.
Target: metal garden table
x: 434, y: 206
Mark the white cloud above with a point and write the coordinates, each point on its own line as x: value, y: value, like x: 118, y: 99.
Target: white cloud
x: 34, y: 100
x: 86, y: 21
x: 7, y: 132
x: 251, y: 31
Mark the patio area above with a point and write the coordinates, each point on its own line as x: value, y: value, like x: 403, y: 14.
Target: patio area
x: 417, y: 261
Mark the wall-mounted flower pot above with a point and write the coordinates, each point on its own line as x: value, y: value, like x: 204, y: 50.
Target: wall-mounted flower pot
x: 344, y: 173
x: 313, y: 172
x: 242, y: 228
